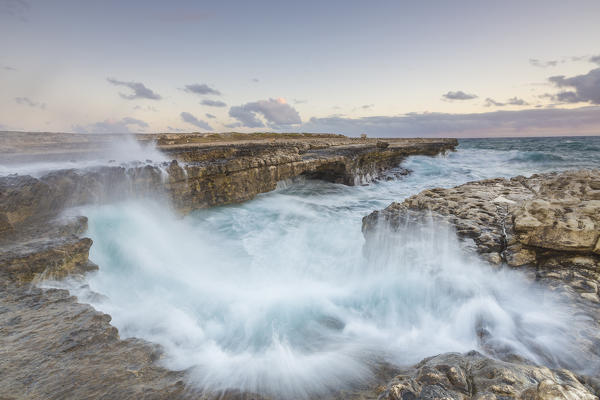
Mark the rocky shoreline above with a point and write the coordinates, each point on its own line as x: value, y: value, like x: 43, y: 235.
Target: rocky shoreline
x: 547, y: 225
x: 202, y: 174
x: 55, y: 347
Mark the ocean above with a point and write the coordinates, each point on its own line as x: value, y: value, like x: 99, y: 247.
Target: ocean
x: 277, y: 295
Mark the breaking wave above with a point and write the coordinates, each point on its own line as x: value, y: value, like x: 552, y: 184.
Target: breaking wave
x: 282, y: 296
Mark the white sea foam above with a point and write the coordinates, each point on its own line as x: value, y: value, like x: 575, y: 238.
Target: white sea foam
x: 122, y: 151
x: 284, y: 300
x: 280, y: 295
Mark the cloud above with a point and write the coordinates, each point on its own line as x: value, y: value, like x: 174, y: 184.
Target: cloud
x: 489, y: 102
x: 171, y: 129
x: 245, y: 117
x: 513, y: 101
x: 140, y: 91
x: 586, y: 87
x: 543, y: 64
x: 210, y: 116
x: 276, y: 112
x: 213, y: 103
x: 458, y: 95
x: 147, y: 108
x: 28, y: 102
x: 584, y: 120
x: 190, y: 119
x: 111, y: 126
x: 15, y: 8
x: 201, y: 88
x: 553, y: 63
x: 134, y: 121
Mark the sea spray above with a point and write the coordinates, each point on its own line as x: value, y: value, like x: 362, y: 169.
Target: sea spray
x: 283, y: 296
x: 286, y: 302
x: 123, y: 150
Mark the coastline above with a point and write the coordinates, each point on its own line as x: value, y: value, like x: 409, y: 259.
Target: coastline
x: 38, y: 243
x: 496, y: 214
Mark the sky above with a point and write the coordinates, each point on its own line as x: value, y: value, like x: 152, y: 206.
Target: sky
x: 386, y: 68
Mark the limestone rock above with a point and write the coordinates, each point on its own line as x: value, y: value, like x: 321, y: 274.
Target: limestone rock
x: 559, y: 225
x: 52, y: 346
x: 547, y: 225
x: 47, y: 249
x: 207, y: 174
x: 55, y: 348
x: 474, y: 376
x: 524, y: 220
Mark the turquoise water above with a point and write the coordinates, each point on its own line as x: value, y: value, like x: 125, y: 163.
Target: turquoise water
x: 279, y: 295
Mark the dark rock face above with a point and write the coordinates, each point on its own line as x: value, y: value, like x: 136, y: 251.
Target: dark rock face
x: 474, y: 376
x: 55, y: 348
x: 25, y: 200
x: 214, y: 174
x: 48, y: 249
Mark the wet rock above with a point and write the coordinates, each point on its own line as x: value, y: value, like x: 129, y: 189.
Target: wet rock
x: 55, y: 348
x: 46, y: 259
x: 547, y: 225
x: 46, y: 249
x: 474, y: 376
x: 208, y: 174
x: 521, y: 220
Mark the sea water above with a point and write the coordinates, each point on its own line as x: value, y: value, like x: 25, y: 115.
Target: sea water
x: 280, y: 295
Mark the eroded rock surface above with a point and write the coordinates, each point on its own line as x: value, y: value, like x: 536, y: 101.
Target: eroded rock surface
x: 52, y: 347
x: 550, y: 222
x: 55, y: 348
x: 48, y: 249
x: 547, y: 225
x: 474, y: 376
x: 205, y: 174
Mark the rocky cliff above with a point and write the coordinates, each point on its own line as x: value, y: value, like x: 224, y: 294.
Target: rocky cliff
x: 202, y: 174
x: 548, y: 222
x: 53, y: 347
x: 547, y: 225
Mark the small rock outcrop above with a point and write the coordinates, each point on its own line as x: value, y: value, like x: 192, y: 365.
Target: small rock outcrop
x: 547, y: 225
x: 550, y: 222
x: 455, y: 376
x: 50, y: 249
x: 53, y: 347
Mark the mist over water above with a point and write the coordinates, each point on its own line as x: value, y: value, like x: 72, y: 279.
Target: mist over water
x: 123, y: 150
x: 281, y: 295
